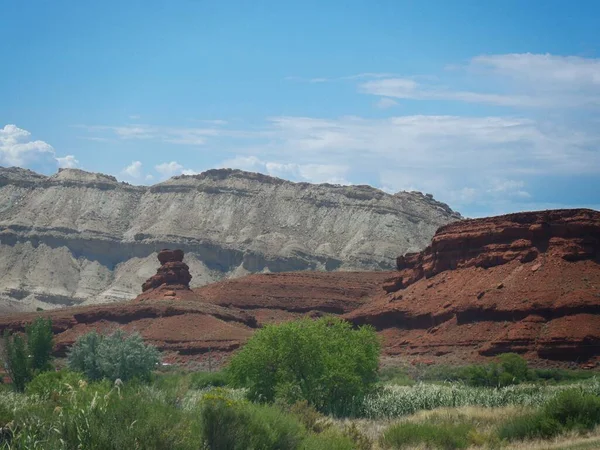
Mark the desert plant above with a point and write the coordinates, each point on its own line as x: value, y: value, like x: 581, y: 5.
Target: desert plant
x: 323, y: 361
x: 112, y: 356
x: 49, y: 385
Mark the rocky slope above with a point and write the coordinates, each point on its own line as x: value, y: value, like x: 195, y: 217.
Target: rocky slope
x: 526, y: 283
x: 78, y: 237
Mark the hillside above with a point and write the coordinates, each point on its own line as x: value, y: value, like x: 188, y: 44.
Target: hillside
x: 83, y: 238
x: 526, y: 283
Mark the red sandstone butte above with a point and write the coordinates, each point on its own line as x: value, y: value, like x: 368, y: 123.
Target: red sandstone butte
x: 526, y: 283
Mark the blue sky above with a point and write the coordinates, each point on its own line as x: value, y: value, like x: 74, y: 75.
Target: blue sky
x: 492, y: 107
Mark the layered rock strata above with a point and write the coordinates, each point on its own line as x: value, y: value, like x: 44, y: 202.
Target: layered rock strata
x: 78, y: 237
x: 526, y: 283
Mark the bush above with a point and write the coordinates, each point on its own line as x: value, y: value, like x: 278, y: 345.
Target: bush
x: 238, y: 425
x: 25, y: 359
x: 52, y: 385
x: 113, y: 356
x: 202, y: 380
x: 329, y: 440
x: 445, y: 436
x: 569, y: 410
x: 322, y: 361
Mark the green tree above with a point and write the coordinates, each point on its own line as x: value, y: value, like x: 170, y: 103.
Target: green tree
x: 324, y: 362
x: 26, y: 358
x: 39, y: 344
x: 117, y: 355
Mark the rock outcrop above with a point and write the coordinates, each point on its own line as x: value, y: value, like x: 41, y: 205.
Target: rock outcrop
x: 526, y: 283
x: 172, y: 273
x: 78, y: 237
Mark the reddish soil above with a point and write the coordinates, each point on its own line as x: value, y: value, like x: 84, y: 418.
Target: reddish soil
x: 526, y: 283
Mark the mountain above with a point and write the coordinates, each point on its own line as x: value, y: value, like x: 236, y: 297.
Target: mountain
x: 84, y: 238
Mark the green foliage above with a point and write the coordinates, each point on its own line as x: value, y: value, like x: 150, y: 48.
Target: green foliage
x: 322, y: 361
x: 16, y: 360
x: 113, y: 356
x: 39, y: 344
x: 569, y: 410
x: 26, y: 358
x: 202, y: 380
x: 51, y: 385
x: 235, y: 425
x: 329, y: 440
x: 444, y: 436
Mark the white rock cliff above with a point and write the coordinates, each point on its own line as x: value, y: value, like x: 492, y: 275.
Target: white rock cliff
x: 78, y: 237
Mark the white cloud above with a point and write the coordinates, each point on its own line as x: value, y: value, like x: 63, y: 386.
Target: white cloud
x: 527, y: 80
x: 18, y: 149
x: 67, y: 162
x: 167, y: 170
x: 133, y: 170
x: 564, y: 71
x: 313, y: 173
x: 386, y: 103
x: 173, y: 135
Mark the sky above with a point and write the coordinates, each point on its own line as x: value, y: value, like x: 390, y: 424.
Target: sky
x: 493, y: 107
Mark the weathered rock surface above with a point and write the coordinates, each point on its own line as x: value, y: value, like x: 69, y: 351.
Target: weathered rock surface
x: 526, y: 283
x: 77, y: 237
x: 173, y: 273
x: 469, y: 296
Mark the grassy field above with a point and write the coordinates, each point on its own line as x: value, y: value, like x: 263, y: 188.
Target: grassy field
x: 178, y: 410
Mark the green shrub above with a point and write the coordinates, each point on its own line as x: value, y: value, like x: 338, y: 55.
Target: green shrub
x: 51, y: 385
x: 444, y: 436
x: 569, y: 410
x: 239, y: 425
x: 322, y: 361
x: 113, y: 356
x: 202, y: 380
x: 328, y: 440
x: 26, y: 358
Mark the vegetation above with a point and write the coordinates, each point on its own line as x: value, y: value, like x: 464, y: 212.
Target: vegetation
x: 569, y: 410
x: 445, y: 436
x: 24, y: 358
x: 113, y: 356
x: 324, y: 362
x: 224, y: 410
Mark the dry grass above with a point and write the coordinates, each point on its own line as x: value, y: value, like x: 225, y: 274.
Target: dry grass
x: 485, y: 421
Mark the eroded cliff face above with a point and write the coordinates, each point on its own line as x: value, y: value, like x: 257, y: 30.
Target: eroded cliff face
x: 77, y: 237
x: 526, y: 283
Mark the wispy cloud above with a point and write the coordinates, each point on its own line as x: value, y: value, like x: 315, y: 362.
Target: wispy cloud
x: 174, y: 135
x: 529, y: 81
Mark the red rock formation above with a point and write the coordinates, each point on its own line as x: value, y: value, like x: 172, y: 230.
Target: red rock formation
x: 173, y: 274
x: 527, y: 282
x: 572, y: 235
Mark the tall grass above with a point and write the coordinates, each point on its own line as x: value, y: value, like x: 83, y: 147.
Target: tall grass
x: 397, y: 401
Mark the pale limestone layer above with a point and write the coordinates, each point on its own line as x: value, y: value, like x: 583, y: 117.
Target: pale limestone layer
x: 79, y: 237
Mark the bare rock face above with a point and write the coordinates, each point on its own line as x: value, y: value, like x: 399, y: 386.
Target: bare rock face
x: 172, y: 273
x: 84, y: 238
x: 526, y: 283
